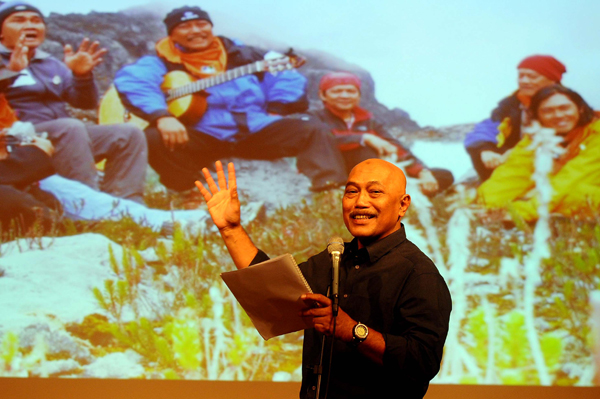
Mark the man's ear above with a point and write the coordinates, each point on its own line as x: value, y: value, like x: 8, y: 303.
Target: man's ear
x: 404, y: 204
x: 321, y: 95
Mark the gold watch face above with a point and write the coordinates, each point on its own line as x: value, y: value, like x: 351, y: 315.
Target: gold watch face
x: 361, y: 331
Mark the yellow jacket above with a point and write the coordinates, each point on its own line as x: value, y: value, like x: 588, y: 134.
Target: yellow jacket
x: 576, y: 185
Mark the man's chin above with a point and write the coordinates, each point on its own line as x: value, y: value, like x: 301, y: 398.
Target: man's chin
x: 526, y: 92
x: 360, y: 231
x: 199, y: 45
x: 344, y: 107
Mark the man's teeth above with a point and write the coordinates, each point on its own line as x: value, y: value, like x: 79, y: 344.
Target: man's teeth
x: 363, y: 216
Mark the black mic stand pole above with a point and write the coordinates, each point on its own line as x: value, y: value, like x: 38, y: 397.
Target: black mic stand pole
x: 335, y: 281
x: 318, y: 369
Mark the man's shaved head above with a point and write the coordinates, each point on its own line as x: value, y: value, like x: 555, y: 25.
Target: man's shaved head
x: 382, y: 169
x: 375, y: 200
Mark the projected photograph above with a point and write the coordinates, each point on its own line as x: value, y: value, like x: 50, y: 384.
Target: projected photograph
x: 110, y: 263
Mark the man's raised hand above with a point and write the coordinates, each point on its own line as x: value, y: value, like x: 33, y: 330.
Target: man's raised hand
x: 85, y: 59
x: 19, y: 58
x: 224, y: 207
x: 222, y: 199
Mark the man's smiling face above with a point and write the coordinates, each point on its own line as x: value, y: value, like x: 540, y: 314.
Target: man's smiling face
x: 28, y: 26
x: 374, y: 200
x: 194, y: 35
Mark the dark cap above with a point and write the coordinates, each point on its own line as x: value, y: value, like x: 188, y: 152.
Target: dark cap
x: 184, y: 14
x: 12, y: 7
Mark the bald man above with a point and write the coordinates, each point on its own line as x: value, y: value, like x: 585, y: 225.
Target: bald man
x: 394, y: 305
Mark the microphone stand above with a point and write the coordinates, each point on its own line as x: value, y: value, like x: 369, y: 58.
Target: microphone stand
x: 318, y: 369
x: 335, y: 281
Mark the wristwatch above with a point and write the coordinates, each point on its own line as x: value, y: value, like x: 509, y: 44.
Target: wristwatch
x: 360, y: 332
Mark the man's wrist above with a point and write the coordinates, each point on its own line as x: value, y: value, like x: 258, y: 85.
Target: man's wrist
x: 232, y: 231
x: 360, y: 332
x: 83, y: 76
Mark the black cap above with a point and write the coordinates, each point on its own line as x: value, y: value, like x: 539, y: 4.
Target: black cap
x: 12, y: 7
x: 184, y: 14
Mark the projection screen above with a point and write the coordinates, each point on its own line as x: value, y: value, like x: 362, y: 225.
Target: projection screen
x: 110, y: 292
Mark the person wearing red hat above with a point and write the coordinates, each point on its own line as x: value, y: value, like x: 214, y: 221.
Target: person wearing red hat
x: 574, y: 177
x: 491, y: 140
x: 359, y: 137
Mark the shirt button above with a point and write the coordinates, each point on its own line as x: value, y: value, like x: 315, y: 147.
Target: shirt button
x: 345, y: 295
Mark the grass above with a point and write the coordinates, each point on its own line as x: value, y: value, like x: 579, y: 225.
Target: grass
x: 200, y: 332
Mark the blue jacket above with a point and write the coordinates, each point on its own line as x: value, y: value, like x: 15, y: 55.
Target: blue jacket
x: 484, y: 133
x: 237, y: 107
x: 44, y: 88
x: 483, y: 136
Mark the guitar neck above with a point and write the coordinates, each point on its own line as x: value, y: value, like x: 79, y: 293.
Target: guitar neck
x: 203, y: 84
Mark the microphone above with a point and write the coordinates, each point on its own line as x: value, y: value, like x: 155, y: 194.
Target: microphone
x: 335, y: 247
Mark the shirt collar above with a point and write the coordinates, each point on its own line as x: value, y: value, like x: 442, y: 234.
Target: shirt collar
x: 376, y: 250
x: 360, y: 114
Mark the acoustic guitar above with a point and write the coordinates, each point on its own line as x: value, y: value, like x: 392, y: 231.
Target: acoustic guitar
x: 185, y: 94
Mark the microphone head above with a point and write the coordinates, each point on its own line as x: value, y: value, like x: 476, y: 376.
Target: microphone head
x: 335, y: 244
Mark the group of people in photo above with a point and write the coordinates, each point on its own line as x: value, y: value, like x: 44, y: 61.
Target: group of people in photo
x: 258, y: 115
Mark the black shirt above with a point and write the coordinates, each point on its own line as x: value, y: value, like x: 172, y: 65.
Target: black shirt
x: 395, y: 289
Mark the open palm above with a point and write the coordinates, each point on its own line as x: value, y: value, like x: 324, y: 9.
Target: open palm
x: 222, y: 199
x: 85, y: 59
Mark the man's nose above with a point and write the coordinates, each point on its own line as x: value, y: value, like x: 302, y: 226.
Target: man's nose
x: 196, y: 28
x: 362, y: 200
x: 524, y: 79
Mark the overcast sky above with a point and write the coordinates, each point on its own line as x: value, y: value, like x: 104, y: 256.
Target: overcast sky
x: 444, y: 62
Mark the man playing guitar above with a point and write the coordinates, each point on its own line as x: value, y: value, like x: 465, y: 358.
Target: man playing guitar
x: 244, y: 114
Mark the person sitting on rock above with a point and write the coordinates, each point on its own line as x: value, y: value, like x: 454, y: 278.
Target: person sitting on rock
x: 44, y: 88
x: 31, y: 192
x: 245, y: 112
x: 489, y: 143
x: 359, y: 137
x: 23, y: 204
x: 574, y: 177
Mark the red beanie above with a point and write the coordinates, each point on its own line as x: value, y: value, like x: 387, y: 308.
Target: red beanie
x: 546, y: 65
x: 338, y: 78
